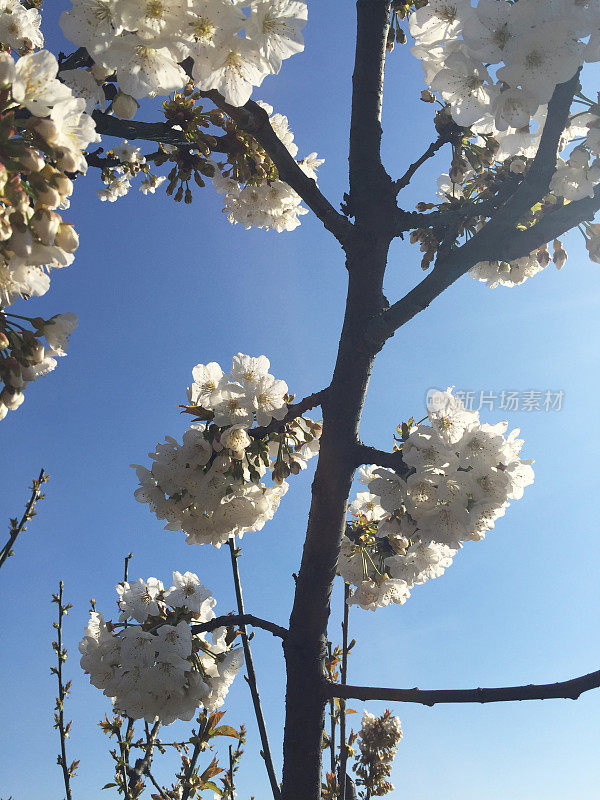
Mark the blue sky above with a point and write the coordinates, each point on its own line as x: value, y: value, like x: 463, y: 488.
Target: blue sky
x: 159, y: 287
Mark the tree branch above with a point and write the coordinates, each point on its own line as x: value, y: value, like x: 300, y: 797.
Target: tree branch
x: 370, y: 185
x: 254, y: 120
x: 18, y: 527
x: 570, y: 689
x: 251, y: 676
x: 295, y: 410
x: 492, y: 240
x: 429, y: 153
x: 371, y: 455
x: 242, y: 620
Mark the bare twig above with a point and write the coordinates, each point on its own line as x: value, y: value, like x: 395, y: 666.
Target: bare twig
x: 251, y: 676
x: 570, y: 689
x: 156, y: 785
x: 344, y: 675
x: 126, y: 567
x: 332, y: 722
x: 17, y: 527
x: 429, y: 153
x: 239, y: 619
x: 63, y: 691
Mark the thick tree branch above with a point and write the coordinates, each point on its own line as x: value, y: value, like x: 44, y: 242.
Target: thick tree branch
x: 371, y: 455
x: 491, y: 242
x: 150, y: 132
x: 370, y: 185
x: 570, y: 689
x: 537, y: 180
x: 254, y: 120
x: 239, y: 619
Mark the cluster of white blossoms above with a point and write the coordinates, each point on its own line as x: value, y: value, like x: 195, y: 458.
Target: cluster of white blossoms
x: 529, y: 46
x: 20, y: 26
x: 209, y: 486
x: 43, y: 132
x: 232, y: 46
x: 270, y: 204
x: 159, y: 668
x: 378, y: 740
x: 496, y: 64
x: 456, y: 479
x: 24, y: 357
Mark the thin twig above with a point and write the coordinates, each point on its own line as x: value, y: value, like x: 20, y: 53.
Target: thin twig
x: 17, y: 527
x: 429, y: 153
x: 239, y: 619
x: 251, y: 677
x: 332, y: 722
x: 156, y: 785
x: 142, y: 765
x: 344, y: 674
x: 124, y: 762
x: 187, y: 785
x: 570, y: 689
x: 126, y: 567
x: 59, y: 719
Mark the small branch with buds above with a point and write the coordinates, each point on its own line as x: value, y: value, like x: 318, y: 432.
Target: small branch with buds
x: 228, y: 620
x: 251, y: 676
x: 63, y: 692
x: 570, y: 689
x: 142, y: 765
x: 18, y: 526
x: 295, y: 410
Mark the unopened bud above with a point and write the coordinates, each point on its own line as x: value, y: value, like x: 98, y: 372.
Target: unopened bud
x: 31, y: 160
x: 100, y: 74
x: 67, y: 238
x: 11, y: 399
x: 125, y: 106
x: 44, y: 224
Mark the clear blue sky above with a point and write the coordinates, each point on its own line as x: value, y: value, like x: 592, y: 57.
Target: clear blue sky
x: 160, y: 287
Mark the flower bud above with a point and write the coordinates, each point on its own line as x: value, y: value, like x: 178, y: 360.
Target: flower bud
x: 5, y: 226
x: 31, y: 160
x: 100, y: 74
x: 7, y: 70
x: 11, y: 399
x: 68, y: 160
x: 63, y: 184
x: 125, y: 106
x: 45, y: 128
x: 48, y: 197
x: 67, y: 238
x: 44, y: 224
x: 593, y: 248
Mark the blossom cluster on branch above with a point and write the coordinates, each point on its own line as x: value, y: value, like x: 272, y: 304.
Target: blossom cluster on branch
x: 378, y: 740
x: 158, y: 669
x: 43, y: 133
x: 145, y: 41
x: 457, y: 477
x: 209, y: 486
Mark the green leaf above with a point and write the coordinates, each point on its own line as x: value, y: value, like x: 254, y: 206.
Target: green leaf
x: 226, y: 730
